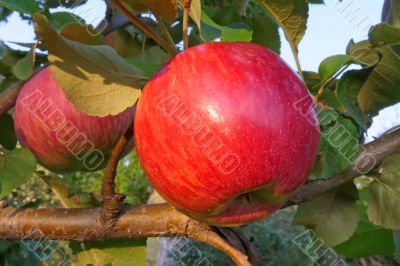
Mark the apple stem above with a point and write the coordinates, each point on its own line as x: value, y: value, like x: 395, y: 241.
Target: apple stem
x: 186, y: 12
x: 145, y: 28
x: 113, y: 202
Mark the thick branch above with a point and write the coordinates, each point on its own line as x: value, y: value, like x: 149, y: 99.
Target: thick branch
x: 134, y: 222
x: 371, y: 156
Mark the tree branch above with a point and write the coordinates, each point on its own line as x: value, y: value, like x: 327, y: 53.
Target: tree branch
x: 186, y: 11
x: 371, y: 156
x: 113, y: 202
x: 134, y: 222
x: 9, y: 97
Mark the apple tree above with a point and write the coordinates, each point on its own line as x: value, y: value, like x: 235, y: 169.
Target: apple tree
x: 197, y: 95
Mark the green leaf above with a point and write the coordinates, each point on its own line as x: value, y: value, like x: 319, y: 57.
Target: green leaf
x: 384, y: 194
x: 332, y: 65
x: 16, y: 167
x: 59, y: 189
x: 347, y: 92
x: 338, y: 144
x: 94, y: 78
x: 237, y: 32
x: 291, y: 15
x: 312, y: 79
x: 381, y: 89
x: 368, y: 239
x: 265, y: 32
x: 384, y: 34
x: 119, y: 252
x: 8, y: 139
x: 10, y: 57
x: 81, y: 33
x: 150, y: 60
x: 363, y: 53
x: 22, y: 6
x: 332, y: 216
x: 23, y: 69
x: 61, y: 19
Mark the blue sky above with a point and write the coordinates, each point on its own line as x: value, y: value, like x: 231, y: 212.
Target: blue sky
x: 330, y: 28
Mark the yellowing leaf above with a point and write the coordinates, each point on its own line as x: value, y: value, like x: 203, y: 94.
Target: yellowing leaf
x: 82, y: 33
x: 94, y: 78
x: 384, y: 195
x: 195, y: 11
x: 291, y: 15
x: 118, y: 252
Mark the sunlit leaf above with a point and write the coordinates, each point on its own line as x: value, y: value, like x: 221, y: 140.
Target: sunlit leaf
x: 384, y: 194
x: 291, y: 15
x: 94, y: 78
x: 119, y: 252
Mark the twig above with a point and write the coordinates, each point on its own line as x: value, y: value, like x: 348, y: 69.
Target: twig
x: 186, y: 12
x: 138, y: 23
x: 116, y: 22
x: 370, y: 157
x: 9, y: 97
x: 113, y: 202
x: 134, y: 222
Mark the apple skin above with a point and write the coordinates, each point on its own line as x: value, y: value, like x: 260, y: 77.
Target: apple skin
x: 62, y: 138
x: 219, y: 135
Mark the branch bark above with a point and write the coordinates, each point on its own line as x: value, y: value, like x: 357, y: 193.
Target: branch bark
x: 186, y: 12
x: 9, y: 97
x: 134, y: 222
x: 113, y: 202
x: 371, y: 156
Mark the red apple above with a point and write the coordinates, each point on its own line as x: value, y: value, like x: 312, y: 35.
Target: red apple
x: 63, y: 138
x: 225, y: 134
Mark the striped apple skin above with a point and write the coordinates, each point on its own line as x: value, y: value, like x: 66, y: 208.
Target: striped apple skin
x: 226, y: 132
x: 62, y: 138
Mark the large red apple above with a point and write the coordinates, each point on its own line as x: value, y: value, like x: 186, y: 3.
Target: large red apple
x: 63, y: 138
x: 224, y: 133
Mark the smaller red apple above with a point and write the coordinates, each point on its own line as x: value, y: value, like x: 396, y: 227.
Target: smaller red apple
x: 62, y: 138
